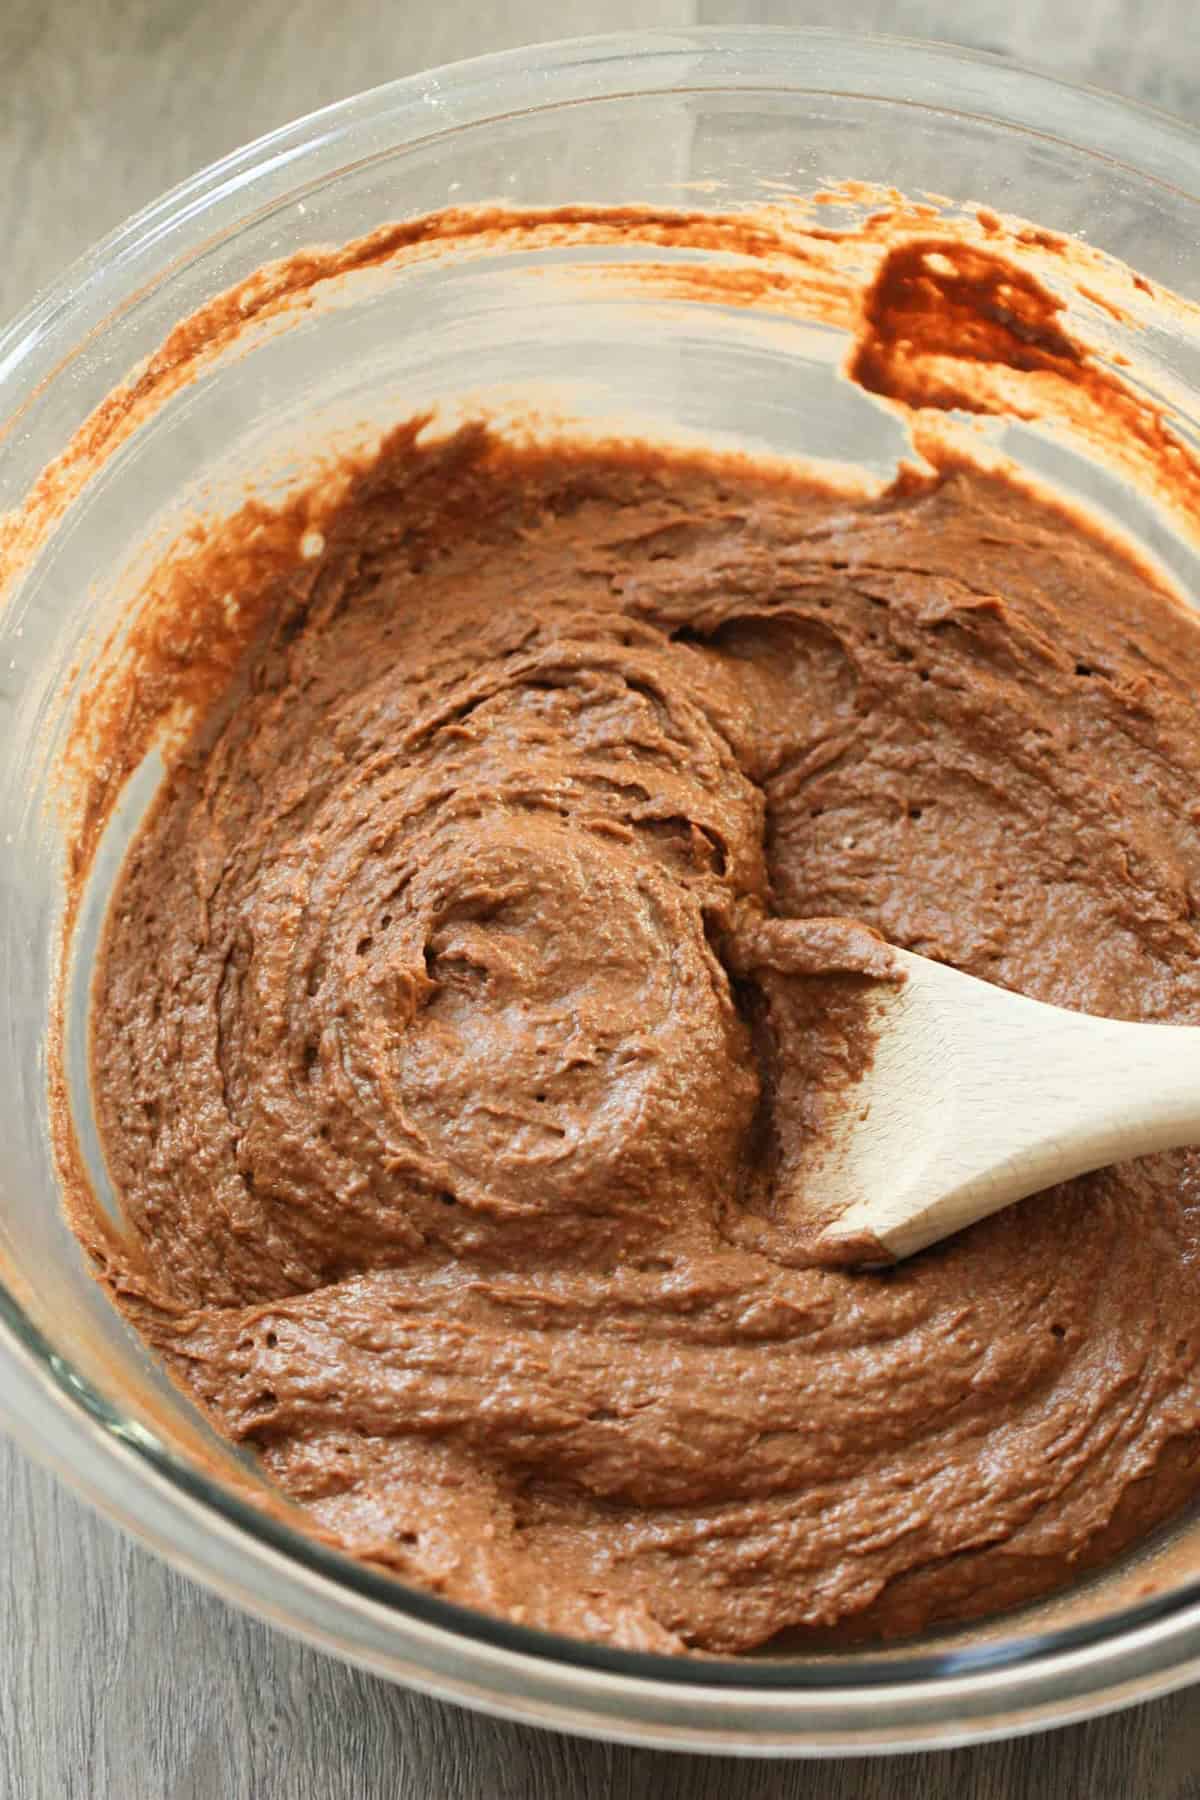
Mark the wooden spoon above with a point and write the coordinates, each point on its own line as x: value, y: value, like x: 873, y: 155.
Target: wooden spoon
x: 978, y: 1097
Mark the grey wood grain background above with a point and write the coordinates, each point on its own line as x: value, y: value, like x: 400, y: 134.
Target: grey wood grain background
x: 118, y: 1679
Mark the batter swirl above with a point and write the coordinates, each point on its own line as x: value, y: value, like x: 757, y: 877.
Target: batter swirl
x: 474, y: 998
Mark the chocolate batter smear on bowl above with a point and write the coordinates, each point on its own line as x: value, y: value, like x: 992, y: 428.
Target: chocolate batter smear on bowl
x: 476, y: 991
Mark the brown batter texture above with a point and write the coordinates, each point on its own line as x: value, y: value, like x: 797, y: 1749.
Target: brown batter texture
x: 477, y: 989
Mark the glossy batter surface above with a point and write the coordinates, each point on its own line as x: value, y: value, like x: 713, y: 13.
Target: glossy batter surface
x: 463, y: 1040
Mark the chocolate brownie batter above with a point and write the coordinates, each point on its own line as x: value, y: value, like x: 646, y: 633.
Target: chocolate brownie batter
x: 475, y: 993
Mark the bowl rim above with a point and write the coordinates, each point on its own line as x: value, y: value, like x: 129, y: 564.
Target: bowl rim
x: 898, y: 1701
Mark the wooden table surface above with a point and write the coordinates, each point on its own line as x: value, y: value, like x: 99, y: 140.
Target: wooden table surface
x: 118, y: 1679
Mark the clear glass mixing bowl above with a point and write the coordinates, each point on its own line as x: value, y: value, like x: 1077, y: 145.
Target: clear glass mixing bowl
x: 693, y: 118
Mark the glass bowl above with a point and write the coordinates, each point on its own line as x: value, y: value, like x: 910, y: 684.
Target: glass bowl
x: 719, y: 119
